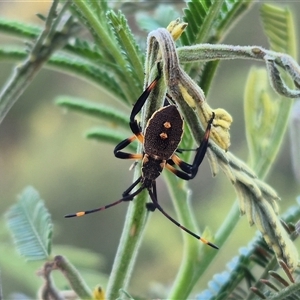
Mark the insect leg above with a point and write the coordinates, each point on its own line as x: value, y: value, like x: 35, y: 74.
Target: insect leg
x: 138, y: 106
x: 178, y: 173
x: 124, y: 155
x: 156, y: 205
x: 127, y: 197
x: 192, y: 169
x: 125, y: 193
x: 151, y: 206
x: 142, y: 99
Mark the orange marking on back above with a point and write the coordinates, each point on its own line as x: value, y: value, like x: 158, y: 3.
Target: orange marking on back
x: 163, y: 135
x: 167, y: 125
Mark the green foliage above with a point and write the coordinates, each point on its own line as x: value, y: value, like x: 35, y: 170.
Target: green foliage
x: 200, y: 16
x: 208, y: 20
x: 267, y: 114
x: 30, y: 224
x: 242, y: 267
x: 161, y: 17
x: 18, y: 29
x: 109, y: 136
x: 130, y: 49
x: 31, y: 228
x: 114, y: 61
x: 279, y: 28
x: 112, y: 44
x: 107, y: 113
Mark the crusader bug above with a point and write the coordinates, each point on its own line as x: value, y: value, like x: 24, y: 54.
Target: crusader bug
x: 160, y: 140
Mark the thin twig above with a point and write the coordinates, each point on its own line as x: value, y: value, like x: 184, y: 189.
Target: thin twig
x: 46, y: 44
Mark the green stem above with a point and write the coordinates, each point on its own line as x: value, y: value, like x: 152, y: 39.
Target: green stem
x: 291, y: 291
x: 221, y: 237
x: 135, y: 221
x: 193, y: 264
x: 72, y: 66
x: 207, y: 25
x: 74, y: 278
x: 205, y: 32
x: 179, y: 193
x: 24, y: 74
x: 225, y: 229
x: 209, y: 70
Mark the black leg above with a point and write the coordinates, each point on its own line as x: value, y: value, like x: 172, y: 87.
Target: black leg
x: 151, y: 206
x: 126, y: 197
x: 178, y: 173
x: 191, y: 169
x: 135, y: 128
x: 202, y: 149
x: 125, y: 193
x: 142, y: 99
x: 153, y: 196
x: 140, y: 103
x: 124, y: 155
x: 180, y: 150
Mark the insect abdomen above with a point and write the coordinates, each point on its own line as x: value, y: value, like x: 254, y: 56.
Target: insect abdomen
x: 163, y: 132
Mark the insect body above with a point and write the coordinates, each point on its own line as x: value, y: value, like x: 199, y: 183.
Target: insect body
x: 163, y: 133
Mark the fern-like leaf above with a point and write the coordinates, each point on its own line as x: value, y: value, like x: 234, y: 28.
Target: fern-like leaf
x: 30, y: 224
x: 12, y: 53
x: 106, y: 40
x: 255, y: 254
x: 100, y: 7
x: 19, y: 29
x: 266, y: 115
x: 88, y: 71
x: 130, y: 49
x: 85, y: 50
x: 109, y: 136
x: 230, y: 12
x: 74, y: 65
x: 223, y: 284
x: 81, y: 48
x: 208, y: 20
x: 279, y: 28
x: 100, y: 111
x: 200, y: 15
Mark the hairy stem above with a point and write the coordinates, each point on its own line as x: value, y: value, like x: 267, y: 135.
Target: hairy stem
x: 49, y: 41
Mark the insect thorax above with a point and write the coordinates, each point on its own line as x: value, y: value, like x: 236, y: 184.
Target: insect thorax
x: 151, y: 168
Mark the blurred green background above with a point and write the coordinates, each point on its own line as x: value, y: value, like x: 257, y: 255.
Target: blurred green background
x: 44, y: 146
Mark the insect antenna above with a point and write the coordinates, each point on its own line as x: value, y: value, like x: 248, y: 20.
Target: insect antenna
x: 126, y: 197
x: 156, y: 205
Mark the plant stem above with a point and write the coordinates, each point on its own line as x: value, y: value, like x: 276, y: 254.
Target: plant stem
x: 179, y: 193
x: 221, y: 236
x: 73, y: 276
x: 48, y: 42
x: 135, y: 221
